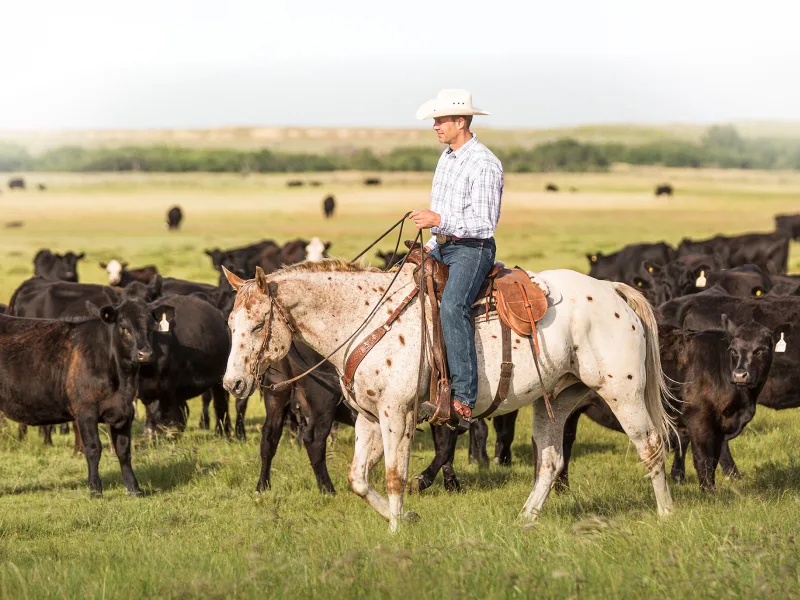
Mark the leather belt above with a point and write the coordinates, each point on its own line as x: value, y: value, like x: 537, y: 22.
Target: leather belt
x: 441, y: 238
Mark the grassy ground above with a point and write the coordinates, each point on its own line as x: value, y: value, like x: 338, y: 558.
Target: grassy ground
x: 201, y: 531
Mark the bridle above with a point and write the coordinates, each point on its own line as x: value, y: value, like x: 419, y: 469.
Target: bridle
x: 255, y: 367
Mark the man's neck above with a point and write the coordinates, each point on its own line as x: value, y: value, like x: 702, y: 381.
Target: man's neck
x: 462, y: 139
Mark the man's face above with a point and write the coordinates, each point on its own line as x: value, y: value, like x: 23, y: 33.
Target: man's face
x: 446, y: 128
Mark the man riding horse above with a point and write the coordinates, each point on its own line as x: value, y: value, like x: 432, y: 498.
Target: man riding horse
x: 465, y: 208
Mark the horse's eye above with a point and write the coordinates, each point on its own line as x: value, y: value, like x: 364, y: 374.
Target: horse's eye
x: 258, y: 328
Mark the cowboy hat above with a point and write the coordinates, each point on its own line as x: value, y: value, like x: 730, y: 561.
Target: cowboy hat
x: 449, y: 103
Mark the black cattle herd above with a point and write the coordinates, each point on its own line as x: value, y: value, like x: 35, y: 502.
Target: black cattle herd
x: 728, y: 316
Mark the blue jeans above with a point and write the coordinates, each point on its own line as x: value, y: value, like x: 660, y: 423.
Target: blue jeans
x: 470, y: 263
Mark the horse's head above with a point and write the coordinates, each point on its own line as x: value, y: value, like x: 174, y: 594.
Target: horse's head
x: 261, y: 332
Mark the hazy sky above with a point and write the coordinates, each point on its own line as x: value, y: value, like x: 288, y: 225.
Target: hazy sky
x: 176, y: 63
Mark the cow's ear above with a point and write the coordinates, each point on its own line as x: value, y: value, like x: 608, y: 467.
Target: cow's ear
x: 235, y: 281
x: 154, y: 287
x: 107, y: 314
x: 261, y: 280
x: 592, y: 258
x: 80, y: 256
x: 163, y: 316
x: 103, y: 265
x: 328, y: 246
x: 124, y: 265
x: 728, y: 325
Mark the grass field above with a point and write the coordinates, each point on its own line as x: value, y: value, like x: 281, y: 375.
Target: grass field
x: 201, y: 531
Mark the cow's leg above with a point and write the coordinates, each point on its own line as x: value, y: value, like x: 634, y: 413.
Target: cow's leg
x: 548, y: 443
x: 121, y: 438
x: 63, y: 429
x: 92, y: 449
x: 205, y: 418
x: 47, y: 434
x: 706, y: 448
x: 627, y: 404
x: 241, y: 410
x: 727, y: 463
x: 78, y: 448
x: 22, y: 431
x: 396, y: 430
x: 504, y: 428
x: 444, y: 444
x: 223, y: 426
x: 678, y: 472
x: 276, y: 408
x: 316, y: 441
x: 368, y: 451
x: 570, y: 433
x: 478, y: 434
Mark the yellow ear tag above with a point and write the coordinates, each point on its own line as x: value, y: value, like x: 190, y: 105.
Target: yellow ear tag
x: 759, y: 292
x: 781, y: 345
x: 163, y: 324
x: 701, y: 281
x: 649, y: 269
x: 638, y: 284
x: 594, y: 257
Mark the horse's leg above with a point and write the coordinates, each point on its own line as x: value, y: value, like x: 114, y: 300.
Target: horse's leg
x: 444, y: 444
x: 368, y: 451
x: 548, y: 444
x: 626, y: 402
x: 396, y: 430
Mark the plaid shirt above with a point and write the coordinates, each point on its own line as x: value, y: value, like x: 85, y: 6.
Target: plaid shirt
x: 467, y: 192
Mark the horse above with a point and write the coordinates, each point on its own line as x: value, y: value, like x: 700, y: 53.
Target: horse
x: 596, y: 336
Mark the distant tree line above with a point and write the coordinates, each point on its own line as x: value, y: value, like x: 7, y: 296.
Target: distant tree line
x: 722, y: 147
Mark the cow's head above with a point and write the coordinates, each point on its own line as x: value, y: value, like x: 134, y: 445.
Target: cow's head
x: 114, y: 268
x: 132, y: 325
x: 750, y: 351
x: 316, y: 250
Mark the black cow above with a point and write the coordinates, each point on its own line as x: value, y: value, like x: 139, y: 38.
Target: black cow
x: 318, y: 405
x: 386, y: 257
x: 785, y: 285
x: 17, y: 183
x: 769, y: 251
x: 626, y: 264
x: 120, y: 275
x: 243, y: 260
x: 720, y: 374
x: 551, y: 187
x: 174, y: 218
x: 315, y: 183
x: 41, y: 187
x: 57, y: 266
x: 328, y: 206
x: 789, y: 225
x: 54, y: 372
x: 294, y: 183
x: 664, y: 189
x: 3, y: 308
x: 372, y: 181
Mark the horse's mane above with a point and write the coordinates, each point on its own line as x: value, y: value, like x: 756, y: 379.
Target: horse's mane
x: 327, y: 265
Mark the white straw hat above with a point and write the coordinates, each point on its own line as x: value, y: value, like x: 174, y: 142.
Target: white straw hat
x: 449, y: 103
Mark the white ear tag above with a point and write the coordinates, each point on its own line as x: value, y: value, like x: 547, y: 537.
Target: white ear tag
x: 701, y: 281
x: 163, y: 324
x: 781, y: 345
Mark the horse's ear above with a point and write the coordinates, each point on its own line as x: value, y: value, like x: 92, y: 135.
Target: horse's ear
x: 273, y: 289
x: 261, y: 280
x: 235, y: 281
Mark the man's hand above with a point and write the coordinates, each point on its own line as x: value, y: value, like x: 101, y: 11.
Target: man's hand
x: 425, y: 219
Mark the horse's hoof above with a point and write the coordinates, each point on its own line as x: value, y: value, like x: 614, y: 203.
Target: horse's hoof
x: 411, y: 517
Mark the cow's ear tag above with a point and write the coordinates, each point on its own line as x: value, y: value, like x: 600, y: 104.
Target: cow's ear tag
x: 163, y: 324
x: 759, y: 292
x: 594, y: 257
x: 781, y: 345
x: 649, y: 269
x: 701, y: 281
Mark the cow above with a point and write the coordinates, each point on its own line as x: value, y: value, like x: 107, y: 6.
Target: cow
x: 63, y: 267
x: 294, y: 183
x: 719, y: 375
x: 551, y: 187
x: 769, y: 251
x: 626, y: 264
x: 328, y: 205
x: 703, y: 311
x: 14, y: 224
x: 789, y: 225
x: 17, y: 183
x: 243, y: 260
x: 119, y: 274
x: 316, y: 250
x: 389, y: 258
x: 315, y: 183
x: 174, y: 218
x: 3, y: 308
x: 85, y: 370
x: 41, y: 187
x: 664, y: 189
x: 372, y: 181
x: 785, y: 285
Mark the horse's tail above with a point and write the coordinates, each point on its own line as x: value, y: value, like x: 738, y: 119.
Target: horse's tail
x: 657, y: 392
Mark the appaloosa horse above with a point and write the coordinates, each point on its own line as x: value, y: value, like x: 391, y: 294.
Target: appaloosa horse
x: 596, y: 335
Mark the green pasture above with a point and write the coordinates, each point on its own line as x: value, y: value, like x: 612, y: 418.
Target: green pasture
x: 201, y: 531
